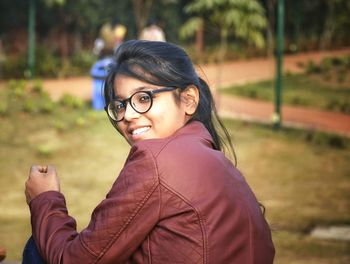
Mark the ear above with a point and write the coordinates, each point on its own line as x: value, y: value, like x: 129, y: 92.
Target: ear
x: 190, y: 99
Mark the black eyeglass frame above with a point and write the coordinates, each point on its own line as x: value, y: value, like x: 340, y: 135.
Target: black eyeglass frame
x: 124, y: 102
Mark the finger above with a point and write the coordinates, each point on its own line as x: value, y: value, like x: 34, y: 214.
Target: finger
x: 33, y: 169
x: 50, y: 169
x: 38, y: 168
x: 43, y: 169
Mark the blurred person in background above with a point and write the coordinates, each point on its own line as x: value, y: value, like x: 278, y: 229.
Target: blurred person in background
x: 152, y: 32
x: 111, y: 35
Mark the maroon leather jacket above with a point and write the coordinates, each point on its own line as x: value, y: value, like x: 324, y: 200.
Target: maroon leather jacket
x: 177, y: 200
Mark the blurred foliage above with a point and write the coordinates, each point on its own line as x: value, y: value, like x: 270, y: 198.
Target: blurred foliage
x: 54, y: 2
x: 314, y: 25
x: 21, y: 97
x: 337, y: 64
x: 324, y: 139
x: 243, y: 19
x: 190, y: 27
x: 48, y: 64
x: 306, y: 21
x: 65, y: 46
x: 71, y: 101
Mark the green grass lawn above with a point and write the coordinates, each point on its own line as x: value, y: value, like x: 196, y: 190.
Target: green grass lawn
x: 302, y: 177
x: 301, y: 90
x: 304, y: 181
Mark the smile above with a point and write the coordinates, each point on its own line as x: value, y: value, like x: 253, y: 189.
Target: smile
x: 140, y: 131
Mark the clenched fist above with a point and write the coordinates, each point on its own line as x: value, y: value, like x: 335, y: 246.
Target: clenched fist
x: 41, y: 179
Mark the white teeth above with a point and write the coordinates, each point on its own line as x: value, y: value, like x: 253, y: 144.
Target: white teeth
x: 139, y: 130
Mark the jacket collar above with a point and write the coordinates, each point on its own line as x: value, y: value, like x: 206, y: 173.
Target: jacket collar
x: 194, y: 128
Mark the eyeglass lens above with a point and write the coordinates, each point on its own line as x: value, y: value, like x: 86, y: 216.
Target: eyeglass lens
x: 141, y: 102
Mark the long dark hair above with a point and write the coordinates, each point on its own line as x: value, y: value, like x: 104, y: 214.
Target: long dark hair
x: 165, y: 64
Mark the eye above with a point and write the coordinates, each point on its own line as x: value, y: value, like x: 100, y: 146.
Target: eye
x: 119, y: 106
x: 143, y: 98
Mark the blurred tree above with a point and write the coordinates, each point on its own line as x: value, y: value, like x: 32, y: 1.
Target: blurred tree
x: 63, y: 27
x: 270, y: 8
x: 298, y: 15
x: 54, y: 2
x: 244, y: 19
x: 31, y: 38
x: 11, y: 23
x: 170, y: 16
x: 322, y: 24
x: 142, y: 10
x: 336, y: 22
x: 195, y: 25
x: 79, y: 21
x: 64, y: 19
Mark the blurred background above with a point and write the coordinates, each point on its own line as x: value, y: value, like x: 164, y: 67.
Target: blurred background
x: 65, y: 30
x: 280, y: 74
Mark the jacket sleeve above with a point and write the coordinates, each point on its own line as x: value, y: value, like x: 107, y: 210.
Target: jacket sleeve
x: 118, y: 224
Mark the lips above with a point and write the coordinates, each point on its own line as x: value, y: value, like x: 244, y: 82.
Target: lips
x: 138, y: 134
x: 140, y: 130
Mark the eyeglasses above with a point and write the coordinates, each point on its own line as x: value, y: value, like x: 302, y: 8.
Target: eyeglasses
x: 140, y: 101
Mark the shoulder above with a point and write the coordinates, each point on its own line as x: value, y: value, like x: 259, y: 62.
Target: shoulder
x: 139, y: 171
x: 188, y: 165
x: 188, y: 151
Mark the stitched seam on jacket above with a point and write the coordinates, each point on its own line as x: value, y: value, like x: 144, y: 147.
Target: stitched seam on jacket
x: 133, y: 215
x: 201, y: 220
x: 251, y: 253
x: 87, y: 247
x: 159, y: 204
x: 149, y: 250
x: 50, y: 200
x: 250, y: 229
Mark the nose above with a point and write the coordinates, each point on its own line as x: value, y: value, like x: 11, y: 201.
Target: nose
x: 130, y: 113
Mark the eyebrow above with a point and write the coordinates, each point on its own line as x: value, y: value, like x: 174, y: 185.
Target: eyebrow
x: 141, y: 88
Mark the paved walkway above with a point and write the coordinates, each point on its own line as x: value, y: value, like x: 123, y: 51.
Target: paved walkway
x: 240, y: 72
x: 258, y: 111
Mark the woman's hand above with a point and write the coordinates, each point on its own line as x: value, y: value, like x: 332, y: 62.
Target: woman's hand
x: 41, y: 179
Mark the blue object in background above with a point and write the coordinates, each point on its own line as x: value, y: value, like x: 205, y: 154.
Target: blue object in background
x: 99, y: 72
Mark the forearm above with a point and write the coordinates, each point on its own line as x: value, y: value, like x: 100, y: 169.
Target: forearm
x: 55, y: 231
x: 114, y: 233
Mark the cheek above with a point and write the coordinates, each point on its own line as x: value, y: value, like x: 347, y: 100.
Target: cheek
x: 164, y: 111
x: 168, y: 116
x: 121, y: 128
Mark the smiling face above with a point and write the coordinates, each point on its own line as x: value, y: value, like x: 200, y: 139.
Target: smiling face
x: 166, y: 115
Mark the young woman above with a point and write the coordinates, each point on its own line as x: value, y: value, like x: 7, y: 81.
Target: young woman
x: 178, y: 199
